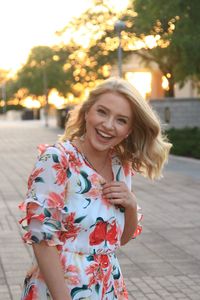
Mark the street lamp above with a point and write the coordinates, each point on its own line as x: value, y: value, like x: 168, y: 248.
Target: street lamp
x: 119, y: 26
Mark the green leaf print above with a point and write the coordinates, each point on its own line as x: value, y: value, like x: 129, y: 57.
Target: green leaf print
x: 55, y: 158
x: 99, y: 219
x: 118, y: 173
x: 85, y: 184
x: 56, y: 225
x: 65, y: 209
x: 35, y: 239
x: 121, y: 209
x: 44, y: 157
x: 47, y: 213
x: 116, y: 275
x: 47, y: 236
x: 84, y: 288
x: 78, y: 220
x: 90, y: 258
x: 39, y: 179
x: 69, y: 173
x: 97, y: 287
x: 111, y: 290
x: 25, y: 227
x: 89, y: 201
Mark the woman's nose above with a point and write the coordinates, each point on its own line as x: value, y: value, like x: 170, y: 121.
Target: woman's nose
x: 109, y: 123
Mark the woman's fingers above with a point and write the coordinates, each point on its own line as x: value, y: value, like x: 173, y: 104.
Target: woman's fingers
x: 114, y: 187
x: 114, y: 195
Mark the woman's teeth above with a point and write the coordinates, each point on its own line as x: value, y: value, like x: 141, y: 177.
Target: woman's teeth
x: 104, y: 135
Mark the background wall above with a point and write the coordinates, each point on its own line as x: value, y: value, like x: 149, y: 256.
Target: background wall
x: 178, y: 112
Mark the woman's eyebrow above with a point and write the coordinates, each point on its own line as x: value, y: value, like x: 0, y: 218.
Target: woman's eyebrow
x: 104, y: 107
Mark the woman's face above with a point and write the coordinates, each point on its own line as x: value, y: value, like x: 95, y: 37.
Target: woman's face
x: 108, y: 121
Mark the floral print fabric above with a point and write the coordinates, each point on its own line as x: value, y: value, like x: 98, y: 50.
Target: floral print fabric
x: 65, y: 207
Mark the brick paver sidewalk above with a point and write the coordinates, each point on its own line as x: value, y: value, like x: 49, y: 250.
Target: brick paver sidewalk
x: 163, y: 263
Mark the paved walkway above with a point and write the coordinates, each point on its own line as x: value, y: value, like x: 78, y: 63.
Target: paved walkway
x: 163, y: 263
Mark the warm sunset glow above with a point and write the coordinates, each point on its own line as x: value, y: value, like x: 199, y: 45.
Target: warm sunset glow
x: 31, y: 103
x: 25, y: 24
x: 56, y: 100
x: 119, y: 5
x: 141, y: 81
x: 149, y: 41
x: 165, y: 83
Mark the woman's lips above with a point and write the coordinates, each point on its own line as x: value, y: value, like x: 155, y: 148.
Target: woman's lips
x: 103, y: 136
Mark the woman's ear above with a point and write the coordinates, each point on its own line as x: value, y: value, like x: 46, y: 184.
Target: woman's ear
x: 129, y: 132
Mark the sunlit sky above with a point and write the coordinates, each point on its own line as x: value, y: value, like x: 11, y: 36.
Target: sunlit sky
x: 28, y: 23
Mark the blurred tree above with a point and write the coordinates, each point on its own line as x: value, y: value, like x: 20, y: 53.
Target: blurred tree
x: 44, y: 70
x: 96, y: 43
x: 177, y: 28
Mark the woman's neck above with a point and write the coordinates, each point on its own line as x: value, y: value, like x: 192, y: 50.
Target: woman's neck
x: 97, y: 159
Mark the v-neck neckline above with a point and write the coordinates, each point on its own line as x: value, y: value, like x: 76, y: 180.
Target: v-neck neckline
x: 89, y: 165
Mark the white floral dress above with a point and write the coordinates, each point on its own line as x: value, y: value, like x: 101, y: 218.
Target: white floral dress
x: 65, y: 207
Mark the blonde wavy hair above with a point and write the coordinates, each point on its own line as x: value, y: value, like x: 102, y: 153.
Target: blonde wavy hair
x: 146, y: 147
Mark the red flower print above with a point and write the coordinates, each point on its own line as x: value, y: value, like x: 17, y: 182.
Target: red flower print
x: 27, y: 236
x: 71, y: 272
x: 55, y: 200
x: 105, y: 202
x: 100, y: 272
x: 120, y: 289
x: 61, y: 168
x: 137, y: 231
x: 32, y: 207
x: 42, y: 148
x: 102, y: 260
x: 32, y: 293
x: 99, y: 233
x: 94, y: 179
x: 111, y: 234
x: 74, y: 162
x: 33, y: 176
x: 106, y: 282
x: 104, y: 231
x: 32, y: 213
x: 72, y: 228
x: 128, y: 169
x: 96, y: 273
x: 93, y: 193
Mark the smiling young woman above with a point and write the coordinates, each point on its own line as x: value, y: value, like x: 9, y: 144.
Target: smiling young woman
x: 80, y: 204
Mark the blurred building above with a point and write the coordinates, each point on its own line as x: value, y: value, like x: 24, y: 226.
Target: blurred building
x: 150, y: 81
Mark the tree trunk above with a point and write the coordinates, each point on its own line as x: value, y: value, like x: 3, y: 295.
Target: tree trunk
x: 170, y: 92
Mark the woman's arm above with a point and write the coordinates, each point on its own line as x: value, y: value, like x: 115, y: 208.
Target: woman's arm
x: 51, y: 269
x: 130, y: 225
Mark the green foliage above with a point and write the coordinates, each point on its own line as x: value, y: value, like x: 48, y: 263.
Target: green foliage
x: 177, y: 24
x: 186, y: 142
x: 44, y: 71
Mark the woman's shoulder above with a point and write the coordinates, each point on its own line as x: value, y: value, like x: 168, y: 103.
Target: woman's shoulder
x: 58, y: 148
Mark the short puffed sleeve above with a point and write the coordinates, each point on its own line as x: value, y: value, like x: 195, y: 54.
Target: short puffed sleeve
x: 45, y: 199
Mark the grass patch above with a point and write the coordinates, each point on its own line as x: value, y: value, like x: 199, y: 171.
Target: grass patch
x: 186, y: 141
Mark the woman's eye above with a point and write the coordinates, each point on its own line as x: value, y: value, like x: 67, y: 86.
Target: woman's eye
x: 122, y: 121
x: 101, y: 111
